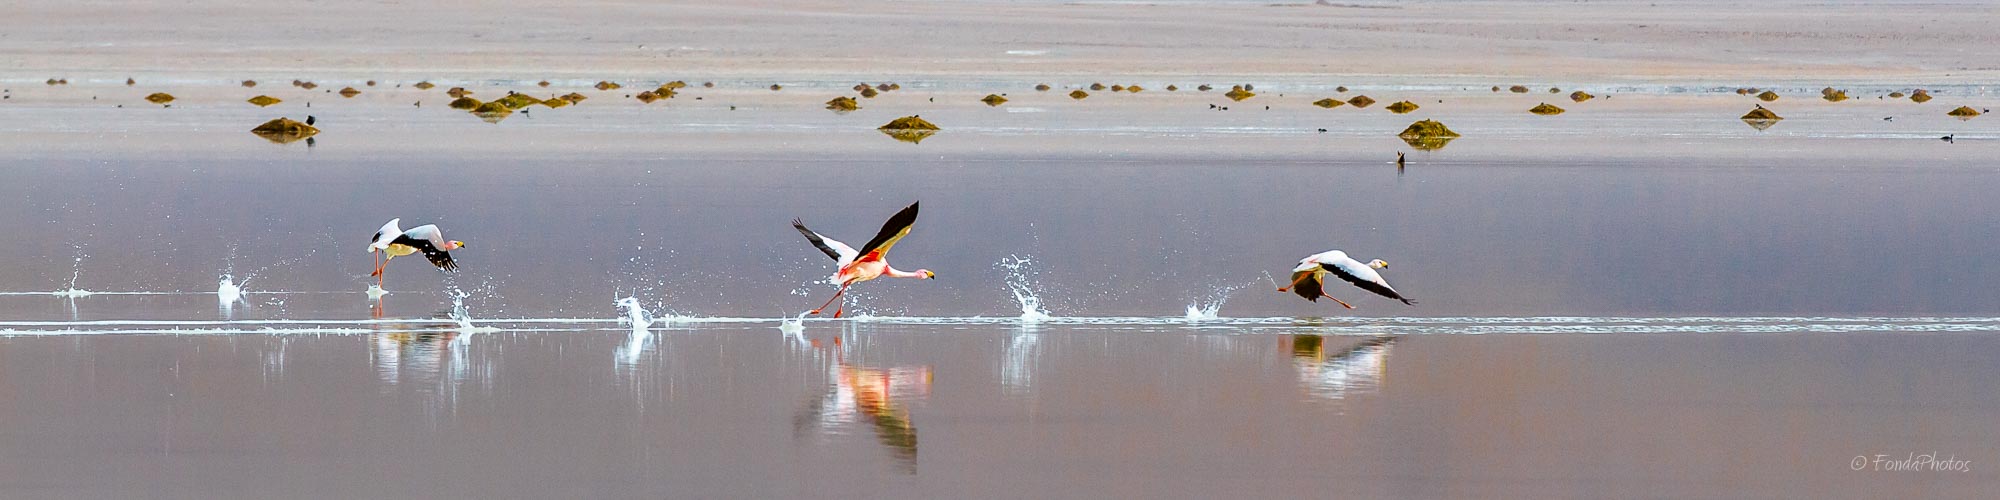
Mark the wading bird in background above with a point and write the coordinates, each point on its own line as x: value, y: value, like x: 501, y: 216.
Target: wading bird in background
x: 1309, y: 278
x: 393, y: 241
x: 871, y: 262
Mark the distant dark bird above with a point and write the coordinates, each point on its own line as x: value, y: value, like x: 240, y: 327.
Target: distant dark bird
x: 420, y: 104
x: 393, y: 241
x: 310, y: 119
x: 1888, y: 118
x: 1947, y: 138
x: 1309, y: 278
x: 1399, y: 159
x: 1322, y: 131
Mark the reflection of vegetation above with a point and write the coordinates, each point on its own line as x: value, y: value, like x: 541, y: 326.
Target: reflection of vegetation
x: 910, y: 136
x: 1759, y: 124
x: 1428, y: 143
x: 1402, y: 107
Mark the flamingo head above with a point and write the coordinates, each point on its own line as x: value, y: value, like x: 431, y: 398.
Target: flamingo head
x: 1378, y: 264
x: 927, y: 274
x: 455, y: 244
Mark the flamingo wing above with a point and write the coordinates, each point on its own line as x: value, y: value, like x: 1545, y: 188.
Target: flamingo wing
x: 388, y: 232
x: 1364, y: 277
x: 840, y: 252
x: 429, y: 240
x: 894, y: 230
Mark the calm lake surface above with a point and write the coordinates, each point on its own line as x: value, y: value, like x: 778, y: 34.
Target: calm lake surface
x: 1628, y: 303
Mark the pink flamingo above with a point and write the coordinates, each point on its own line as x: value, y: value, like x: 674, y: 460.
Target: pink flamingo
x: 871, y: 261
x: 394, y: 242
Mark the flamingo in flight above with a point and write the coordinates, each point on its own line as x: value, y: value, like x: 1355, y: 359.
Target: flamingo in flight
x: 394, y: 242
x: 1309, y: 278
x: 871, y: 261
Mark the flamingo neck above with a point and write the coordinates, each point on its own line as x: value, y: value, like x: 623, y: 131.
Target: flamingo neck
x: 897, y: 273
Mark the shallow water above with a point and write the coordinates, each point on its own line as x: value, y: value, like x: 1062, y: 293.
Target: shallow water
x: 1605, y: 308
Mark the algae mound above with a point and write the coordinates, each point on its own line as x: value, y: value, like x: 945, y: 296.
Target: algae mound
x: 1238, y: 93
x: 1427, y: 135
x: 349, y: 92
x: 1761, y: 114
x: 1361, y: 101
x: 130, y: 82
x: 911, y: 129
x: 1329, y: 103
x: 1546, y: 109
x: 1496, y: 88
x: 574, y: 98
x: 1096, y: 86
x: 1580, y: 96
x: 1832, y: 95
x: 465, y: 103
x: 1554, y: 90
x: 492, y: 112
x: 1427, y: 129
x: 859, y: 86
x: 1402, y: 107
x: 249, y: 83
x: 160, y: 98
x: 869, y: 92
x: 517, y: 101
x: 371, y: 83
x: 843, y: 104
x: 912, y: 122
x: 1920, y: 96
x: 1895, y: 95
x: 676, y: 84
x: 1518, y: 89
x: 1134, y: 89
x: 542, y: 84
x: 1767, y: 96
x: 1078, y: 94
x: 993, y: 100
x: 284, y: 130
x: 458, y: 92
x: 1340, y: 89
x: 424, y: 85
x: 1204, y: 88
x: 555, y: 102
x: 776, y: 87
x: 607, y: 85
x: 1964, y: 112
x: 1172, y: 88
x: 308, y: 85
x: 708, y: 84
x: 1117, y: 88
x: 647, y: 97
x: 264, y: 100
x: 1042, y: 87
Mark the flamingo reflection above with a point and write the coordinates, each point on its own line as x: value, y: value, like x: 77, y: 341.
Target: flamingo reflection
x: 1359, y: 367
x: 877, y: 397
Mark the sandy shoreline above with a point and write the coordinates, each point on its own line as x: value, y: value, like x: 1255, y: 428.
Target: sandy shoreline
x: 1400, y: 43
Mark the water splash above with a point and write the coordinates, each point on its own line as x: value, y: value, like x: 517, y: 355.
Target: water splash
x: 227, y: 294
x: 1210, y: 308
x: 641, y: 339
x: 793, y: 326
x: 1021, y: 282
x: 75, y: 274
x: 635, y: 314
x: 463, y: 316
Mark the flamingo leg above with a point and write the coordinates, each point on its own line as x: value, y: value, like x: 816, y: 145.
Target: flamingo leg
x: 1337, y: 300
x: 836, y: 296
x: 1295, y: 282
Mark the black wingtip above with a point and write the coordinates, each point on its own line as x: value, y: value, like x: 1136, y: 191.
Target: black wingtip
x: 1410, y: 301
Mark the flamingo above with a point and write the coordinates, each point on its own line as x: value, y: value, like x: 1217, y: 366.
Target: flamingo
x: 1308, y: 279
x: 868, y: 263
x: 393, y: 241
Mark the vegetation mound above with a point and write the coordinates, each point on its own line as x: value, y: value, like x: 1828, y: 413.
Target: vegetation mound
x: 1964, y: 112
x: 1361, y: 101
x: 465, y: 103
x: 993, y: 100
x: 912, y: 122
x: 1427, y: 129
x: 264, y: 100
x: 1546, y: 109
x: 1402, y: 107
x: 843, y: 103
x: 1580, y: 96
x: 1238, y: 93
x: 160, y: 98
x: 284, y: 130
x: 1329, y: 103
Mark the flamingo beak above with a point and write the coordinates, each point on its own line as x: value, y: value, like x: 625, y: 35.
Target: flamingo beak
x: 930, y: 275
x: 459, y: 244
